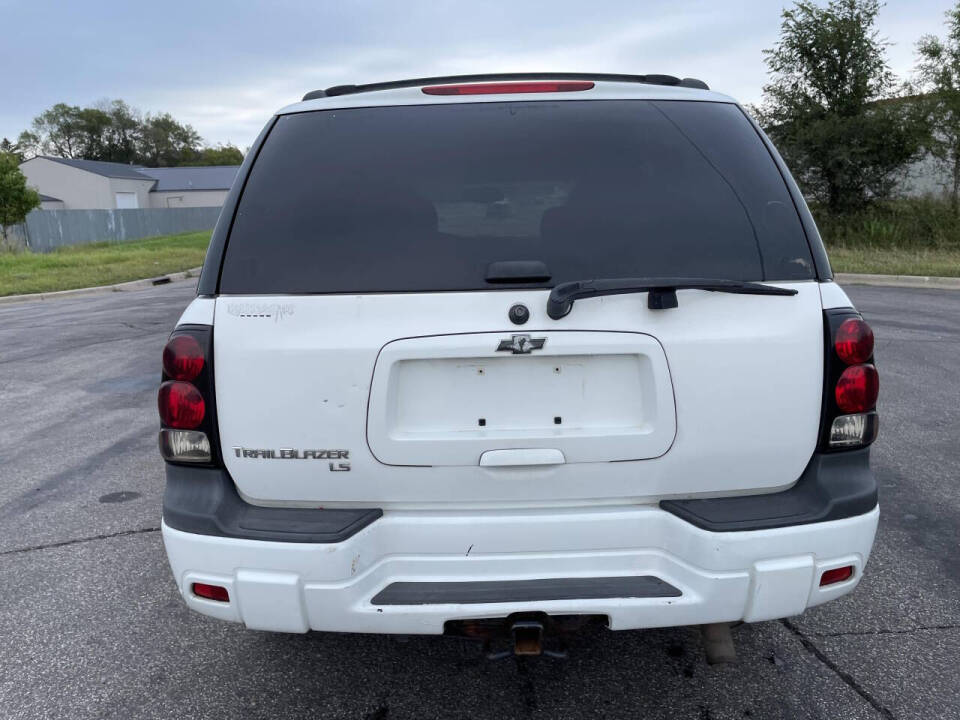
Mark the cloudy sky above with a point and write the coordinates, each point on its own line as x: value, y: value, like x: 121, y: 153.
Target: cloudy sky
x: 226, y: 67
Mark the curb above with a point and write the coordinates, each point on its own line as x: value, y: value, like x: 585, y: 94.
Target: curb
x: 119, y: 287
x: 904, y: 281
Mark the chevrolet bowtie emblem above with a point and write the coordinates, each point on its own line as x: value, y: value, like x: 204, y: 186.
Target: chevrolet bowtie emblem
x: 521, y: 344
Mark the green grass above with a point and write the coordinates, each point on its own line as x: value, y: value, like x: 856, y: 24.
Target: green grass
x: 918, y: 236
x: 943, y: 262
x: 900, y: 237
x: 100, y: 263
x: 904, y: 223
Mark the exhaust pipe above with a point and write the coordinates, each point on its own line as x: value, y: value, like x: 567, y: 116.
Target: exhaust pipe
x: 718, y: 643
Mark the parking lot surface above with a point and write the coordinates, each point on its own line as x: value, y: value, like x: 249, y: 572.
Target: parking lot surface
x: 91, y: 624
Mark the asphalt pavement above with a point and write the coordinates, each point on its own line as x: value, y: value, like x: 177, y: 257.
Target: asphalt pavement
x: 91, y: 624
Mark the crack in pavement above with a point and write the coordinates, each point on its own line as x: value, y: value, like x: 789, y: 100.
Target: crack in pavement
x: 838, y: 671
x: 75, y: 541
x: 904, y: 631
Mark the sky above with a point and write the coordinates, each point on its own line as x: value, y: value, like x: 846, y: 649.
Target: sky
x: 226, y: 67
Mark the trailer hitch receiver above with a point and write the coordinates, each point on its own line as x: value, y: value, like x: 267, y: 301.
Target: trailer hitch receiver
x: 527, y: 637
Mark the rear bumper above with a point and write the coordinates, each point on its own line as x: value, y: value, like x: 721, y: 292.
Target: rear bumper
x: 334, y: 586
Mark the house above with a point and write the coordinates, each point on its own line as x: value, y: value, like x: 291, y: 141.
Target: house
x: 50, y: 203
x: 72, y: 184
x: 190, y: 186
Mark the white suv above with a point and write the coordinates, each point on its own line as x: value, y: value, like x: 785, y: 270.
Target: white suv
x: 491, y: 353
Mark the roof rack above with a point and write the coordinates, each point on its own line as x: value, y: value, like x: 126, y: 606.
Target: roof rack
x: 610, y: 77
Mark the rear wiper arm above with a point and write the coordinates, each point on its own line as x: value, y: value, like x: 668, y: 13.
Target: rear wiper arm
x: 663, y: 291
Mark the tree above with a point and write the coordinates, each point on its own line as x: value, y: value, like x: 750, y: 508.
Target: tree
x: 938, y: 78
x: 69, y: 131
x: 219, y: 155
x: 166, y: 143
x: 113, y: 131
x: 16, y: 199
x: 29, y: 144
x: 123, y: 134
x: 11, y: 148
x: 831, y: 104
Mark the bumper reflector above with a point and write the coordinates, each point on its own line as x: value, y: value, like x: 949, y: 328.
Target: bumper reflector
x: 211, y: 592
x: 184, y: 445
x: 836, y: 575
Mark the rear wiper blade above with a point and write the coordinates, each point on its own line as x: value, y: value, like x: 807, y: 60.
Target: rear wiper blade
x: 663, y: 291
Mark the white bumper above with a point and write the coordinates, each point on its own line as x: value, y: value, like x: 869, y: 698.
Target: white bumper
x: 295, y: 587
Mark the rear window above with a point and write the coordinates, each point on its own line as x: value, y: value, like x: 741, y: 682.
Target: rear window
x: 425, y: 198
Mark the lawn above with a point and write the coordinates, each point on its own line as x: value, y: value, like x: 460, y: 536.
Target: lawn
x: 942, y: 262
x: 107, y: 263
x: 100, y: 263
x: 907, y: 236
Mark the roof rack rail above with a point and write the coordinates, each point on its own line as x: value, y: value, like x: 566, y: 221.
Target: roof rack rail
x: 610, y: 77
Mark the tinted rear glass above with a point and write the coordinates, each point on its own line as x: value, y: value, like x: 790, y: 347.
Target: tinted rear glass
x: 425, y: 198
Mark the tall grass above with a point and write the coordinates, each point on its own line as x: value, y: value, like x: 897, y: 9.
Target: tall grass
x: 902, y: 224
x: 911, y: 236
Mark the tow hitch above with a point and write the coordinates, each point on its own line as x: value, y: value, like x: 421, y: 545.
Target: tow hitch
x: 524, y: 634
x: 527, y: 637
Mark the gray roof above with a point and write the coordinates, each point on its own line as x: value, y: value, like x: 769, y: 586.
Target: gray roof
x: 208, y: 177
x: 99, y: 167
x: 47, y: 198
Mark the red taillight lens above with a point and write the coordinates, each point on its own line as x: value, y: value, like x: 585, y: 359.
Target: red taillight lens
x: 854, y: 341
x: 183, y: 358
x: 508, y: 88
x: 836, y: 575
x: 211, y: 592
x: 181, y: 405
x: 857, y: 389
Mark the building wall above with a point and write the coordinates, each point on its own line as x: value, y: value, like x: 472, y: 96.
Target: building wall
x: 78, y: 189
x: 188, y: 198
x: 140, y: 187
x: 52, y: 205
x: 926, y: 176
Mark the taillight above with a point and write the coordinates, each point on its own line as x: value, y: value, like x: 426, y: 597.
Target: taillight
x: 185, y: 446
x: 181, y: 405
x: 857, y: 389
x: 851, y: 383
x: 853, y: 341
x: 183, y: 358
x: 508, y: 88
x: 186, y: 398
